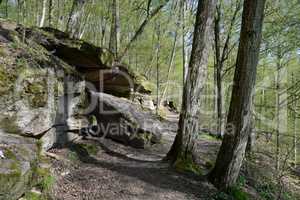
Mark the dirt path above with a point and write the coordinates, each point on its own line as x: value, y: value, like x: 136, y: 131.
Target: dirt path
x: 115, y: 171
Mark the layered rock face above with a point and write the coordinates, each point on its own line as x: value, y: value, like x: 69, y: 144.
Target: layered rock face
x: 40, y: 99
x: 34, y: 85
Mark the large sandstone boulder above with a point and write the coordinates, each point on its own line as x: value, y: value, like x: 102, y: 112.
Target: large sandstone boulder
x: 17, y: 165
x: 95, y: 63
x: 127, y: 122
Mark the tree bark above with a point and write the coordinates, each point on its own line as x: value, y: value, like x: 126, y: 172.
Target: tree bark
x: 218, y: 71
x: 181, y: 152
x: 157, y: 67
x: 6, y: 9
x: 73, y: 23
x: 221, y: 55
x: 295, y: 125
x: 172, y: 56
x: 184, y: 53
x: 232, y: 151
x: 141, y: 28
x: 50, y: 12
x: 114, y: 41
x: 278, y: 115
x: 42, y: 21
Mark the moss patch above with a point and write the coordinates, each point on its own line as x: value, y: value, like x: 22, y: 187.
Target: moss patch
x: 90, y: 148
x: 9, y: 154
x: 9, y: 125
x: 33, y: 196
x: 238, y: 194
x: 183, y: 164
x: 7, y: 80
x: 36, y: 93
x: 45, y: 179
x: 208, y: 137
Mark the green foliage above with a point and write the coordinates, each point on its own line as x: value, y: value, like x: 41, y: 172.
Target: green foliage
x: 222, y: 196
x: 269, y: 191
x: 33, y: 196
x: 9, y: 154
x: 92, y: 149
x: 237, y: 193
x: 45, y: 179
x: 234, y: 193
x: 203, y: 136
x: 72, y: 156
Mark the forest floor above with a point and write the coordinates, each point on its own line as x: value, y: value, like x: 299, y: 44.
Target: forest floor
x: 95, y: 168
x: 102, y: 169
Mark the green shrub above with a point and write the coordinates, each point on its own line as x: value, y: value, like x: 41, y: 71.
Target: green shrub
x: 266, y: 190
x: 237, y: 193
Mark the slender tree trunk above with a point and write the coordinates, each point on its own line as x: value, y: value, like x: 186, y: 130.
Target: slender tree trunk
x: 182, y: 150
x: 221, y: 55
x: 50, y: 12
x: 24, y: 13
x: 103, y: 31
x: 73, y: 23
x: 6, y: 9
x: 74, y: 4
x: 232, y: 151
x: 172, y: 56
x: 295, y: 138
x: 278, y: 115
x: 157, y: 67
x: 37, y: 11
x: 19, y: 11
x: 114, y: 40
x: 252, y: 134
x: 141, y: 28
x: 42, y: 21
x: 184, y: 53
x: 294, y: 113
x: 218, y: 71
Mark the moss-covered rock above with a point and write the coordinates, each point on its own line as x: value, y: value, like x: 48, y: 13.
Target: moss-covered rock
x: 9, y: 124
x: 16, y: 169
x: 33, y: 85
x: 126, y: 122
x: 90, y: 60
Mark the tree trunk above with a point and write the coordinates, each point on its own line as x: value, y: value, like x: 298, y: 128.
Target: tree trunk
x: 141, y: 28
x: 157, y: 67
x: 50, y: 12
x: 172, y: 56
x: 221, y: 55
x: 73, y: 23
x: 252, y: 135
x: 295, y: 124
x: 181, y: 153
x: 114, y: 40
x: 232, y: 151
x: 218, y: 71
x: 277, y: 115
x: 184, y: 53
x: 295, y: 138
x: 42, y: 21
x: 6, y: 9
